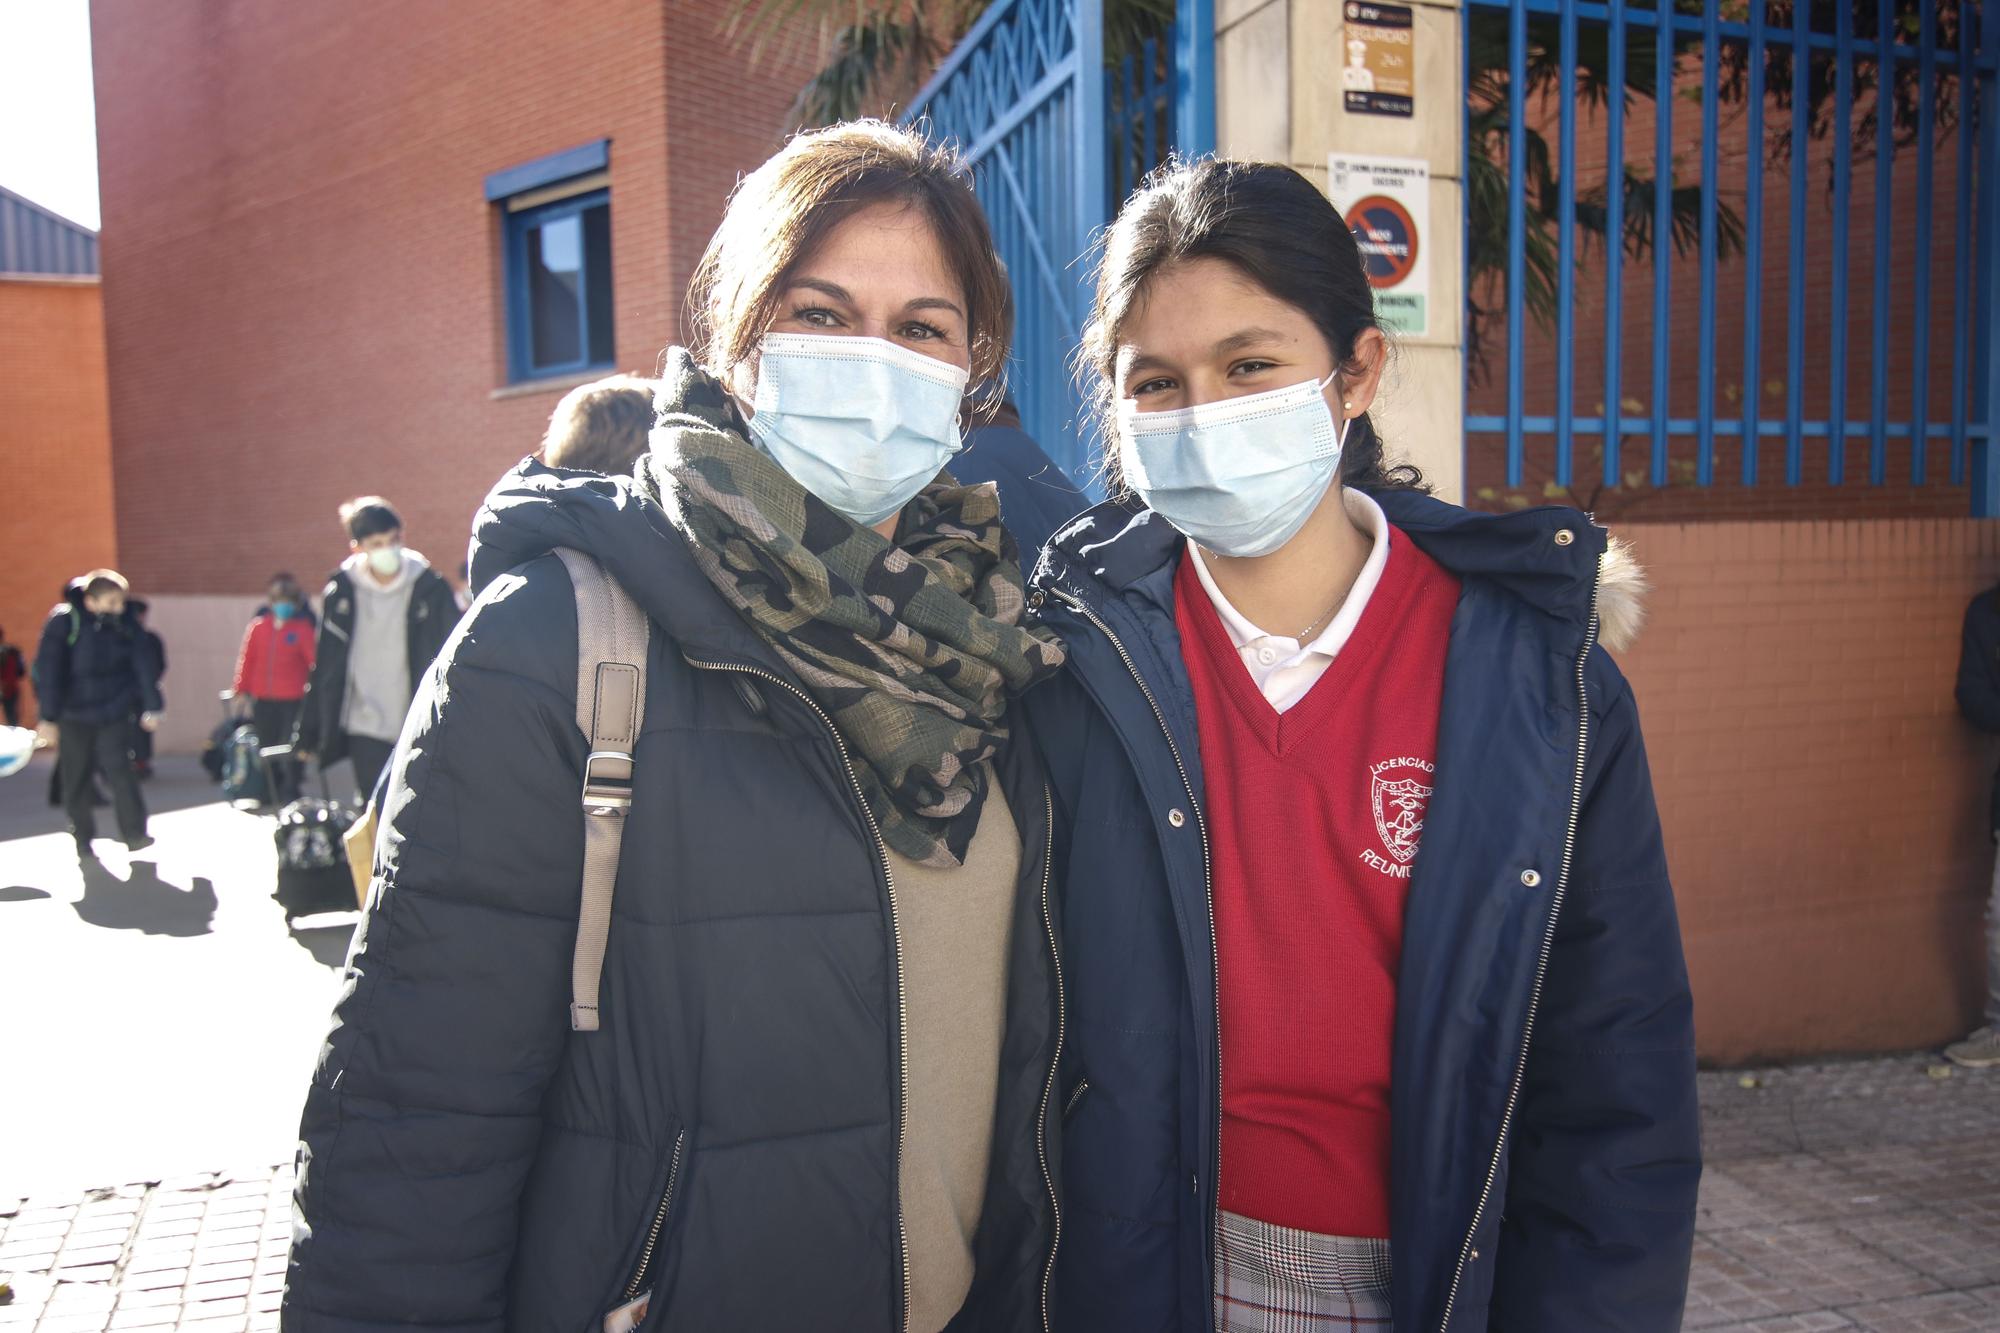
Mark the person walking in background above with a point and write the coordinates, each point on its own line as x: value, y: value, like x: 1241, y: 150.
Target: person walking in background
x: 13, y: 670
x: 386, y: 615
x: 156, y: 647
x: 272, y: 669
x: 1036, y: 496
x: 600, y: 426
x: 1979, y: 699
x: 93, y: 672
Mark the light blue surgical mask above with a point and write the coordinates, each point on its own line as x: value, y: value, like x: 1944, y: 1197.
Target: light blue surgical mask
x: 283, y: 611
x: 860, y: 422
x: 1238, y: 477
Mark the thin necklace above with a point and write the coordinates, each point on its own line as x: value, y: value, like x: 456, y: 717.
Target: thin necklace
x: 1326, y: 616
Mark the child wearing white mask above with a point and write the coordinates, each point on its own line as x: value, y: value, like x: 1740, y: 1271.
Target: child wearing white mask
x: 388, y: 614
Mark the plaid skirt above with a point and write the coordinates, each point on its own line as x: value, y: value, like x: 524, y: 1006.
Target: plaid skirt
x: 1273, y: 1279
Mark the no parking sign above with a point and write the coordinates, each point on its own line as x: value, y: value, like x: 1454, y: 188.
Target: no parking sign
x: 1386, y: 203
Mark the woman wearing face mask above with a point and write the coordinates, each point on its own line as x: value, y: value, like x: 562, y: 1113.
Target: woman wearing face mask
x: 1378, y: 1017
x: 817, y: 1093
x: 272, y: 669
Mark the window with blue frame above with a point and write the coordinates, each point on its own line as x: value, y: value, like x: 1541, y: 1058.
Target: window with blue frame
x: 559, y: 317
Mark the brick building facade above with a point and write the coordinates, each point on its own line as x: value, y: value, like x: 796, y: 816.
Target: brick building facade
x: 309, y: 286
x: 55, y: 432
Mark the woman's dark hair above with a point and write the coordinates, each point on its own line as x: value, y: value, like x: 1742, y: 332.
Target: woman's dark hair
x: 1276, y: 228
x: 781, y: 212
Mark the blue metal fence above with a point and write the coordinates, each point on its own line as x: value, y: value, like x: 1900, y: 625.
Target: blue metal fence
x: 1055, y: 139
x: 1907, y: 46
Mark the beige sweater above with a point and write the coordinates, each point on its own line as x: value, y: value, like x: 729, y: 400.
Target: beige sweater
x: 956, y: 926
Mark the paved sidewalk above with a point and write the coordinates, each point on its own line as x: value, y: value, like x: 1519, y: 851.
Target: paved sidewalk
x: 1862, y: 1195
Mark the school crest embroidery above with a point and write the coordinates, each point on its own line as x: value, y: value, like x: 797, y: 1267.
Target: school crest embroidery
x: 1400, y: 790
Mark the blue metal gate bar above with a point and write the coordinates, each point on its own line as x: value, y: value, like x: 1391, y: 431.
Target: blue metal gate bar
x: 1711, y: 138
x: 1921, y: 58
x: 1985, y: 457
x: 1614, y: 245
x: 1885, y: 166
x: 1663, y: 230
x: 1517, y: 152
x: 1843, y: 121
x: 1920, y: 367
x: 1753, y: 255
x: 1194, y: 77
x: 1566, y: 255
x: 1795, y: 291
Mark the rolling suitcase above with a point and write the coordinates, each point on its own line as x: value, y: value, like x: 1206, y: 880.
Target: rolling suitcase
x: 312, y: 864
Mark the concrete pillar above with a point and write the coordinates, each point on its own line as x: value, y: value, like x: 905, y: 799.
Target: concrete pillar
x: 1278, y: 99
x: 1421, y: 410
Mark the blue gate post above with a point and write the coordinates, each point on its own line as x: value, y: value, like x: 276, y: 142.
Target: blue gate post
x: 1194, y: 77
x: 1985, y: 476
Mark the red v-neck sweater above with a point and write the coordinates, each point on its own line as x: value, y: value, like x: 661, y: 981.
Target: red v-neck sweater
x: 1314, y: 817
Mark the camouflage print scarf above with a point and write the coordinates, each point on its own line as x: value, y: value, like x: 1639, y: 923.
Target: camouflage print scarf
x: 912, y: 646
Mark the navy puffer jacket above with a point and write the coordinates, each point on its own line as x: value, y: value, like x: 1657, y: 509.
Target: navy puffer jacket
x: 94, y: 669
x: 1546, y: 1144
x: 730, y: 1139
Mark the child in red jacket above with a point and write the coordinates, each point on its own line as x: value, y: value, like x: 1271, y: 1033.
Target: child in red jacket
x: 272, y: 669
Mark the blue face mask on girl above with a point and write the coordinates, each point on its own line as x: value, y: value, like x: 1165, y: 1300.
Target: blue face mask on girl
x: 283, y: 611
x: 861, y: 423
x: 1238, y: 477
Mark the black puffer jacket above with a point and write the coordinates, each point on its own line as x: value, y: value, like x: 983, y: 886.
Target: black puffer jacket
x: 470, y: 1164
x: 95, y: 669
x: 432, y: 614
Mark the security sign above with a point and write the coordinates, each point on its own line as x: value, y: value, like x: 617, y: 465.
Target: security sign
x: 1386, y: 203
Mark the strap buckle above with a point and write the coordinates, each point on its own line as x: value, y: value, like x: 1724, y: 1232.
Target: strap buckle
x: 607, y: 783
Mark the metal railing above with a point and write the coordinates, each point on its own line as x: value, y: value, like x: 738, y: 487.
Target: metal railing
x: 1905, y: 53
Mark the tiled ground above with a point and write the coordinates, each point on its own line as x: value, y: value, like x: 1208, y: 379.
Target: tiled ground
x: 1863, y: 1195
x: 205, y: 1253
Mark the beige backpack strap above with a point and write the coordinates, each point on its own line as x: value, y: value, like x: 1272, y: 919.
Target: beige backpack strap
x: 611, y: 636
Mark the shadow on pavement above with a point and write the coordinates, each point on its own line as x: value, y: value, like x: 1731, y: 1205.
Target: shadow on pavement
x: 326, y: 943
x: 22, y: 893
x: 145, y: 902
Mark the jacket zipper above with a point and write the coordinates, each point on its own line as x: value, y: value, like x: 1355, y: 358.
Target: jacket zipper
x: 1055, y: 1061
x: 1207, y: 877
x: 1466, y: 1251
x: 895, y: 930
x: 638, y: 1282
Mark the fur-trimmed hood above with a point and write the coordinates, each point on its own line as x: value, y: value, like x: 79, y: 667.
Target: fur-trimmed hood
x: 1622, y: 586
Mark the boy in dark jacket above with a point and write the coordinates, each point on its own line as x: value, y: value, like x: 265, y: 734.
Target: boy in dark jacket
x: 94, y: 671
x: 1979, y: 700
x: 386, y: 616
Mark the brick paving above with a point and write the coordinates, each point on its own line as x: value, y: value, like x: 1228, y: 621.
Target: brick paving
x: 1859, y: 1195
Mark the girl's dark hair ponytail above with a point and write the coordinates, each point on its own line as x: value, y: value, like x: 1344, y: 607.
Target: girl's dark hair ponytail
x: 1274, y: 226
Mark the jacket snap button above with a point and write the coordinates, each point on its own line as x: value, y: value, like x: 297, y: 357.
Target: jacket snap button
x: 1176, y: 818
x: 1531, y: 878
x: 1036, y: 598
x: 751, y: 697
x: 1564, y: 536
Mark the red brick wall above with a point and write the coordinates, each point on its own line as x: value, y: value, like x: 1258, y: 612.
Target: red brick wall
x: 304, y: 296
x: 1729, y: 499
x: 1825, y: 805
x: 56, y: 439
